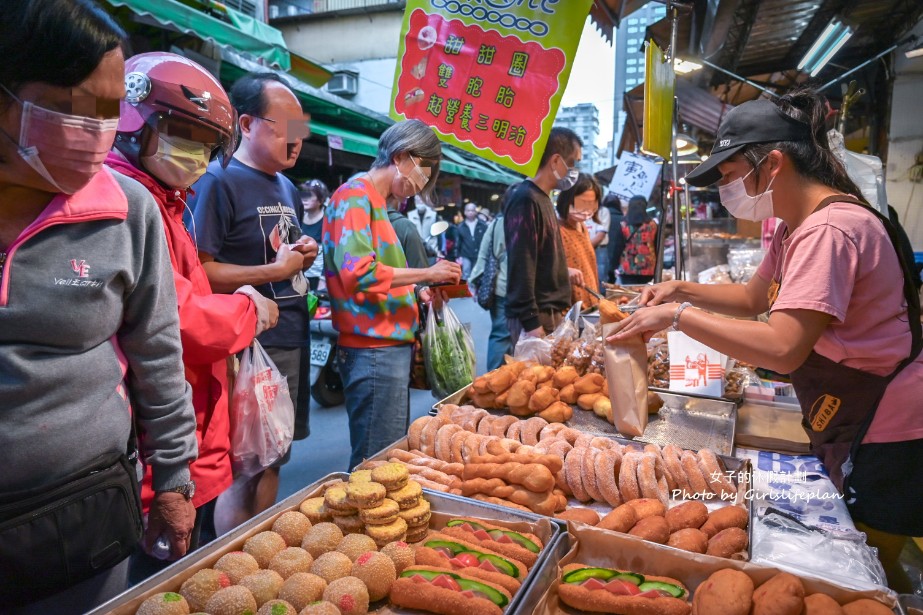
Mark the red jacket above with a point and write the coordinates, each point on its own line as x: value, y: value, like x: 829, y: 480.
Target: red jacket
x: 212, y: 327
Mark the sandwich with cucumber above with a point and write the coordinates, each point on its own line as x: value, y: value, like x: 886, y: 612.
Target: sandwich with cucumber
x: 607, y: 590
x: 445, y: 592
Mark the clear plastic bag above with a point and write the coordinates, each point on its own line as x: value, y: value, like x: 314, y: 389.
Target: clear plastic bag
x: 743, y: 263
x: 720, y: 274
x: 554, y: 348
x: 737, y: 378
x: 658, y: 362
x: 448, y: 351
x: 262, y: 413
x: 584, y: 350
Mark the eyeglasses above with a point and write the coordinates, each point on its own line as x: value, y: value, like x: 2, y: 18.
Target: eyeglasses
x: 296, y: 129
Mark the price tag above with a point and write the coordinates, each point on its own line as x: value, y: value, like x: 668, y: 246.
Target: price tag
x: 320, y: 350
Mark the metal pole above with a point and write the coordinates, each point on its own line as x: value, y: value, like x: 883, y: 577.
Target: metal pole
x: 737, y: 77
x: 911, y: 39
x: 678, y: 255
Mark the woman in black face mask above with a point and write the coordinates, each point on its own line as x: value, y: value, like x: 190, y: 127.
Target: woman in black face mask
x: 844, y: 316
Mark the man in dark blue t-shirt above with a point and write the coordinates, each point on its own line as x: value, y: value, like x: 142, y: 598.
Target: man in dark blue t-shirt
x: 246, y: 226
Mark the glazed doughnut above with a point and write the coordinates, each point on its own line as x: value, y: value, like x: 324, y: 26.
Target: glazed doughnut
x: 697, y: 482
x: 651, y: 482
x: 551, y: 431
x: 572, y: 471
x: 416, y: 428
x: 588, y: 474
x: 671, y: 461
x: 717, y: 479
x: 605, y: 477
x: 513, y: 433
x: 531, y: 428
x: 501, y: 424
x: 570, y: 435
x: 443, y: 448
x: 628, y: 477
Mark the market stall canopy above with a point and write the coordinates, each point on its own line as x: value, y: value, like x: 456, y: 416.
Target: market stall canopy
x: 240, y: 32
x: 608, y: 14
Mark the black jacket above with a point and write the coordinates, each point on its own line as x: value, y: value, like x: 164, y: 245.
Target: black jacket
x: 536, y: 265
x: 468, y: 244
x: 616, y: 243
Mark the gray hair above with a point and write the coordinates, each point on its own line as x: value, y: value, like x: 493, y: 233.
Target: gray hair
x: 415, y: 138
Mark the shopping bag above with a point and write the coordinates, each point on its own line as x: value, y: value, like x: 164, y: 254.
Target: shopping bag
x: 694, y: 367
x: 449, y: 352
x: 626, y: 374
x: 262, y: 413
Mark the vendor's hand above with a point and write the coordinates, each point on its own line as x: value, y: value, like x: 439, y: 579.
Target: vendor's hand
x: 664, y: 292
x: 173, y: 517
x: 644, y: 322
x: 444, y: 272
x: 307, y: 247
x: 575, y: 276
x: 288, y: 262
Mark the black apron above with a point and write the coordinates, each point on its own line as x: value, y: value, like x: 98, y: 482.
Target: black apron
x: 838, y: 402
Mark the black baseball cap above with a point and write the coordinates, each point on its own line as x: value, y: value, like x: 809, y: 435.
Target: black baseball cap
x: 756, y: 121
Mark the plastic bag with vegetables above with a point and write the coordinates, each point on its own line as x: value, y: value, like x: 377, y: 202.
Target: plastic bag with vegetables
x: 449, y: 352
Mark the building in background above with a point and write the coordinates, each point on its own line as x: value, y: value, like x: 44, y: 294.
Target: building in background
x: 584, y: 120
x: 629, y: 60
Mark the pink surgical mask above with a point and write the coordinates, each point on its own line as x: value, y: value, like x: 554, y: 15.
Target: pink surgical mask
x: 66, y: 150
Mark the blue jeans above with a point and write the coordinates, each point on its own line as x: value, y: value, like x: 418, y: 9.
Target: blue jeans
x: 376, y: 383
x: 499, y: 343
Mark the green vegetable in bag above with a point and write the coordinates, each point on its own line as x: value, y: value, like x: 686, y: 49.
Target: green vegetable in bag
x: 448, y: 351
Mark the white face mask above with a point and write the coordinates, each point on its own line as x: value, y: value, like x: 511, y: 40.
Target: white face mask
x: 178, y: 162
x: 741, y: 205
x: 567, y: 182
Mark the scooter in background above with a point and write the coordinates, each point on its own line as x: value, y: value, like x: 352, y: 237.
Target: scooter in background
x: 326, y: 384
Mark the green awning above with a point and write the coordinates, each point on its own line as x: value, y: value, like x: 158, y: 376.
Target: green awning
x: 453, y: 161
x: 243, y: 33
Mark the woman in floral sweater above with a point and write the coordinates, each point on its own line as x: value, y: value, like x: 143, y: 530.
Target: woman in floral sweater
x: 372, y: 292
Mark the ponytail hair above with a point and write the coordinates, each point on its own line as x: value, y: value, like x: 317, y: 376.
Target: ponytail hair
x: 812, y: 159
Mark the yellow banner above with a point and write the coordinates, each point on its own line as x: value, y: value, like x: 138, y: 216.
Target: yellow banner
x: 659, y: 85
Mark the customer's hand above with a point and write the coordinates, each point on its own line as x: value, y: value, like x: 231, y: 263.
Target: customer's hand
x: 267, y: 310
x: 665, y: 292
x: 444, y: 272
x: 171, y: 516
x: 307, y: 247
x: 575, y: 276
x: 288, y: 262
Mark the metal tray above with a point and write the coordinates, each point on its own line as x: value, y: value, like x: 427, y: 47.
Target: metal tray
x: 688, y: 421
x: 171, y: 578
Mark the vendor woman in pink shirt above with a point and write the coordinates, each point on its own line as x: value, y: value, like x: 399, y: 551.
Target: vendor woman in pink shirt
x: 844, y: 320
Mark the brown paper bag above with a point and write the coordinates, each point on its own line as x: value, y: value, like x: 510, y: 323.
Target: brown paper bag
x: 626, y: 372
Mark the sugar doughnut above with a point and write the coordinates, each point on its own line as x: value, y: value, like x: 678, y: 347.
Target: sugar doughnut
x: 514, y: 432
x: 570, y: 435
x: 446, y: 410
x: 416, y: 428
x: 470, y: 422
x: 457, y: 442
x: 588, y: 474
x: 698, y: 484
x: 583, y: 440
x: 428, y: 436
x: 501, y: 424
x: 572, y: 470
x: 602, y: 443
x: 531, y: 429
x: 561, y: 448
x: 484, y: 427
x: 605, y: 478
x: 485, y: 442
x: 443, y: 448
x: 715, y: 475
x: 671, y: 460
x: 628, y: 477
x: 551, y: 431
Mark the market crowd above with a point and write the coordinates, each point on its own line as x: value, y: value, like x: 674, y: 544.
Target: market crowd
x: 148, y: 234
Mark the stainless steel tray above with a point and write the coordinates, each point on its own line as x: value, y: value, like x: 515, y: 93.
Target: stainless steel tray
x: 689, y: 422
x: 545, y: 573
x: 172, y: 577
x: 442, y: 505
